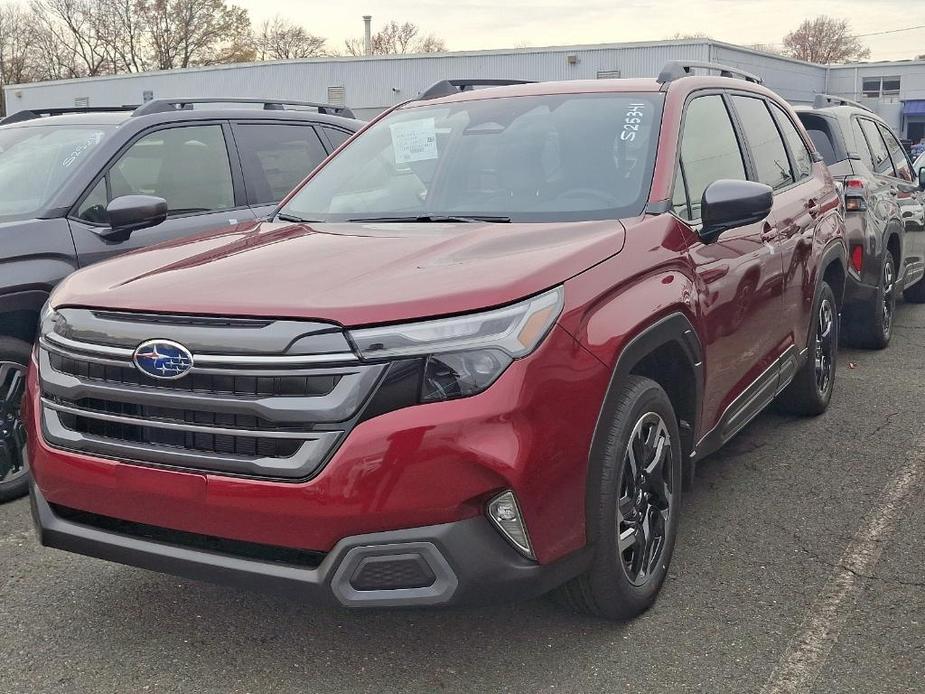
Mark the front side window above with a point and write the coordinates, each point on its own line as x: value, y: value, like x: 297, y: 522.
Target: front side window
x: 276, y: 157
x: 802, y: 159
x: 897, y: 154
x: 36, y: 160
x: 565, y: 157
x: 768, y: 153
x: 881, y: 156
x: 187, y: 166
x: 709, y: 149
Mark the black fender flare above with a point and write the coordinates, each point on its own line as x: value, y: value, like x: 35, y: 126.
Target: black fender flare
x: 673, y: 328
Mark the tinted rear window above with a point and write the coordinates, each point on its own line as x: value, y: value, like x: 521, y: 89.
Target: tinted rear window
x: 825, y: 136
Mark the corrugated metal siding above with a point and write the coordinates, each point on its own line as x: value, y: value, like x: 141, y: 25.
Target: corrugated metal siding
x: 373, y: 84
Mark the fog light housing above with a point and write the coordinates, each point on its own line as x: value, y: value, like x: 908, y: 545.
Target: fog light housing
x: 505, y: 514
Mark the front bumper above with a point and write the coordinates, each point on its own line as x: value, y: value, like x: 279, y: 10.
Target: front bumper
x: 464, y: 562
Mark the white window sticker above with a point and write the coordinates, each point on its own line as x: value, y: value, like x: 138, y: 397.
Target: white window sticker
x: 414, y: 140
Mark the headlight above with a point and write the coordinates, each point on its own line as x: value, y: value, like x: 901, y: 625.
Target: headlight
x: 47, y: 319
x: 465, y: 354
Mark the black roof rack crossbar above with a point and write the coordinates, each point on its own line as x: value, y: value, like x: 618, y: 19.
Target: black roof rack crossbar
x: 33, y: 113
x: 828, y: 100
x: 448, y: 87
x: 676, y: 69
x: 167, y: 105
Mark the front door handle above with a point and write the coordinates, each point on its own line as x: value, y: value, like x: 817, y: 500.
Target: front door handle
x: 813, y: 207
x: 768, y: 233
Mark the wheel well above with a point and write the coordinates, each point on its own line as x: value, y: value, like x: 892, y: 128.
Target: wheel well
x: 19, y: 324
x: 669, y: 366
x: 894, y: 246
x: 834, y: 276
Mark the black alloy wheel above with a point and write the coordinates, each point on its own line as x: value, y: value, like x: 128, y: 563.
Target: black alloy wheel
x: 645, y: 498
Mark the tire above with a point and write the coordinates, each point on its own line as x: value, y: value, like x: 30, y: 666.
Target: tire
x: 874, y: 328
x: 810, y: 391
x: 916, y: 293
x: 622, y: 584
x: 14, y: 477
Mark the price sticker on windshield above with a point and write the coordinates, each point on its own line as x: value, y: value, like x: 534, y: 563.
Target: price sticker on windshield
x: 414, y: 140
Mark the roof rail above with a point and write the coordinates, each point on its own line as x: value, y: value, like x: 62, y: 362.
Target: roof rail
x: 676, y: 69
x: 828, y: 100
x: 33, y: 113
x: 167, y: 105
x: 448, y: 87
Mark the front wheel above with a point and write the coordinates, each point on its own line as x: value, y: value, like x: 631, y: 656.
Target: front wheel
x: 810, y: 390
x: 636, y: 497
x: 14, y: 356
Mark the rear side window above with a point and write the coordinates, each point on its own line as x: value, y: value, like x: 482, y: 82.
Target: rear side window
x: 802, y: 159
x: 897, y: 155
x: 881, y: 157
x: 768, y: 153
x: 709, y: 151
x: 861, y: 140
x: 276, y: 157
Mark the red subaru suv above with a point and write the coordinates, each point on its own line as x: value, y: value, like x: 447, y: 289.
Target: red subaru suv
x: 475, y: 356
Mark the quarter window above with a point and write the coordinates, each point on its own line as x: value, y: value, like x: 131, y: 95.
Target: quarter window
x: 768, y: 153
x: 882, y: 162
x: 275, y: 158
x: 802, y: 159
x: 709, y: 150
x: 897, y: 155
x: 187, y: 166
x: 93, y: 208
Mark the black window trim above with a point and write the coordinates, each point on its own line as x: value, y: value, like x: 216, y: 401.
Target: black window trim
x: 234, y: 127
x: 233, y: 164
x: 776, y: 115
x: 860, y: 120
x: 746, y: 161
x: 883, y: 127
x: 753, y: 171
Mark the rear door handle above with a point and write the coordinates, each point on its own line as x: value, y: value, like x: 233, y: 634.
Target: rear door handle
x: 813, y: 207
x: 768, y: 233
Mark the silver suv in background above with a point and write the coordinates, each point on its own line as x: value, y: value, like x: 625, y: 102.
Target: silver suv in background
x: 883, y: 204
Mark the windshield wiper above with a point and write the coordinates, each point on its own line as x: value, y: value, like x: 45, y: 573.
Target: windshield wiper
x: 284, y: 217
x: 435, y: 219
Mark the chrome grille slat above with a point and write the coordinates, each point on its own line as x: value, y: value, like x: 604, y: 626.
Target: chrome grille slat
x: 158, y: 424
x: 279, y: 410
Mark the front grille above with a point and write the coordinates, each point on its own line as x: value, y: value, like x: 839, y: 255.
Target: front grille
x: 264, y: 412
x: 309, y: 559
x: 293, y: 386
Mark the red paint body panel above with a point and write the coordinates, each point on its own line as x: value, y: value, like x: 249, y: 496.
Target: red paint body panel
x: 346, y: 273
x: 418, y: 466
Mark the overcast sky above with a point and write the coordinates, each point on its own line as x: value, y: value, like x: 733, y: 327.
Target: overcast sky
x: 477, y: 24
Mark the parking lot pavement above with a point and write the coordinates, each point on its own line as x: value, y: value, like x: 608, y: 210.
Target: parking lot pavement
x: 800, y: 568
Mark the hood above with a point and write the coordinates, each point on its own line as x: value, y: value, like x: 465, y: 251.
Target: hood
x: 350, y: 274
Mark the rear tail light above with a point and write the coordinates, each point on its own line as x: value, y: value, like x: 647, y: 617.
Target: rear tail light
x: 855, y: 194
x: 857, y: 257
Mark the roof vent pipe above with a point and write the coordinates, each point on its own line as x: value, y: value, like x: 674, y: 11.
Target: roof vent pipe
x: 367, y: 34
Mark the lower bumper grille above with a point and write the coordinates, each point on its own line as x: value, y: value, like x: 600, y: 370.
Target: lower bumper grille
x: 179, y: 538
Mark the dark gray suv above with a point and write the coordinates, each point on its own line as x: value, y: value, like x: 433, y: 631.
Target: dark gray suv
x: 81, y: 185
x: 882, y: 204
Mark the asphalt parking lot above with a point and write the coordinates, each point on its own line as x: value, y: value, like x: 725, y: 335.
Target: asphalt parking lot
x: 799, y: 569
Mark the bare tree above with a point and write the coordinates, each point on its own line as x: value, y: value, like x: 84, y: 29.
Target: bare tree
x: 183, y: 33
x: 395, y: 38
x: 825, y: 40
x: 279, y: 39
x: 74, y: 34
x: 17, y: 45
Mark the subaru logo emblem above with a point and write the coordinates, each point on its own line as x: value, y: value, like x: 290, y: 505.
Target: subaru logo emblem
x: 163, y: 359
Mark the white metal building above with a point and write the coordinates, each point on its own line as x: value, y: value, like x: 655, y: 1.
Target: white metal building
x: 370, y: 84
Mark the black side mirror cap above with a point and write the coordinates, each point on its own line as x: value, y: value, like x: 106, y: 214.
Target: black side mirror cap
x: 129, y: 213
x: 922, y: 177
x: 727, y: 204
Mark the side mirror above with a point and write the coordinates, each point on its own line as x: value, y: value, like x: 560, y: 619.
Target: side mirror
x: 922, y: 177
x: 728, y: 204
x: 129, y: 213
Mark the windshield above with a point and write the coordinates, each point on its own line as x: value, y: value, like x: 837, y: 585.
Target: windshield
x: 526, y: 159
x: 36, y: 160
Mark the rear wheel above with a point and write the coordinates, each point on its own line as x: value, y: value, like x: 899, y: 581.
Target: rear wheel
x: 14, y: 356
x: 636, y: 506
x: 810, y: 390
x: 874, y: 327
